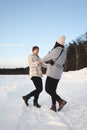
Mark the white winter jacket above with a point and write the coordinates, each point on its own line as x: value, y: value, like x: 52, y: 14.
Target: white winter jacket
x: 35, y: 69
x: 55, y: 71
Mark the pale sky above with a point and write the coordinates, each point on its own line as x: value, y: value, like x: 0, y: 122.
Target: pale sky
x: 25, y: 23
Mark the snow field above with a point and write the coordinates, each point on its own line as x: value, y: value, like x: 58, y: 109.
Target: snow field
x: 15, y: 115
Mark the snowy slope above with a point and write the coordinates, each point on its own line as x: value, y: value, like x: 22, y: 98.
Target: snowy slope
x: 14, y: 115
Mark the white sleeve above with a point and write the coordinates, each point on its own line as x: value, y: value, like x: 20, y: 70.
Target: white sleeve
x: 44, y: 65
x: 31, y: 62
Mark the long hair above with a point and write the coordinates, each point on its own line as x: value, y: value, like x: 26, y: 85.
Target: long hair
x: 57, y: 45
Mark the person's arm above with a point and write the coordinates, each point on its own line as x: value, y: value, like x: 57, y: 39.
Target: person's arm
x: 44, y: 65
x: 31, y: 62
x: 52, y: 55
x: 47, y: 57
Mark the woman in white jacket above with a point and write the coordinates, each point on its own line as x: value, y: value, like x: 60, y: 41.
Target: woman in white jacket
x: 56, y: 59
x: 35, y: 75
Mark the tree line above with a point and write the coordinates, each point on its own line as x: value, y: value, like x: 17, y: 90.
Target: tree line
x: 76, y: 57
x: 77, y: 54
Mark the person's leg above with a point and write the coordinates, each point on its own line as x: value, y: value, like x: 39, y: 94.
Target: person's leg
x: 28, y: 96
x: 60, y: 101
x: 38, y: 85
x: 50, y: 89
x: 57, y: 96
x: 51, y: 86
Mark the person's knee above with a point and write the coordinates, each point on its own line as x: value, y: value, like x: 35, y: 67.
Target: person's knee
x: 47, y: 89
x: 40, y: 89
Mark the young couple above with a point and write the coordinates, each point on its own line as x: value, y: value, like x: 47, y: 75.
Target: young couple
x: 54, y: 62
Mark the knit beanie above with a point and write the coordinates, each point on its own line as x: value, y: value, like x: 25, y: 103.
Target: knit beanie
x: 61, y: 40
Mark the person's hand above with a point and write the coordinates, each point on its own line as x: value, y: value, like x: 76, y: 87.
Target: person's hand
x: 39, y: 62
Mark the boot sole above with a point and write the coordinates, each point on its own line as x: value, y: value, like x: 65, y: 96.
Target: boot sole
x: 53, y: 110
x: 37, y: 107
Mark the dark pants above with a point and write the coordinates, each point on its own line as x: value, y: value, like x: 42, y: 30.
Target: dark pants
x: 50, y: 87
x: 39, y: 87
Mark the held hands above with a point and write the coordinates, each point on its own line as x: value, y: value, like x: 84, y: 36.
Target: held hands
x: 39, y: 62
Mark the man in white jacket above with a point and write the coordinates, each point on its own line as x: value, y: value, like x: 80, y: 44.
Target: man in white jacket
x: 35, y: 74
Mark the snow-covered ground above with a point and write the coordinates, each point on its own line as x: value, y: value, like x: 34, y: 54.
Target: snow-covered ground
x: 15, y: 115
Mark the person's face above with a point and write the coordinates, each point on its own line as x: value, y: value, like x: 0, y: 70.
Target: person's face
x: 36, y: 51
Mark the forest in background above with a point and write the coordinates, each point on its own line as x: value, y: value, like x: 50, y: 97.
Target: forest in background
x: 76, y: 57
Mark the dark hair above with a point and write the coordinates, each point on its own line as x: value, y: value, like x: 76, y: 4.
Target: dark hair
x: 35, y: 47
x: 57, y: 45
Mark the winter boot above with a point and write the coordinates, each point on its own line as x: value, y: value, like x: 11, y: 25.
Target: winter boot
x: 36, y: 104
x: 25, y: 100
x: 61, y: 104
x: 53, y: 108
